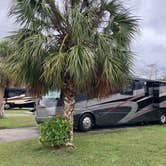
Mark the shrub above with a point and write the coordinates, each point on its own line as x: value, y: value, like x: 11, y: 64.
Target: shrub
x: 54, y: 132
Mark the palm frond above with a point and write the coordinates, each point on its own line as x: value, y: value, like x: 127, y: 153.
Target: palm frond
x: 26, y: 11
x: 123, y: 28
x: 5, y: 51
x: 53, y: 70
x: 29, y: 56
x: 80, y: 65
x: 81, y: 28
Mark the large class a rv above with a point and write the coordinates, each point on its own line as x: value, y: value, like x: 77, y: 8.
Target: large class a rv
x: 17, y: 97
x: 139, y: 101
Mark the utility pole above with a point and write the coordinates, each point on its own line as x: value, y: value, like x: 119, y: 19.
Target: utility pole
x: 153, y: 73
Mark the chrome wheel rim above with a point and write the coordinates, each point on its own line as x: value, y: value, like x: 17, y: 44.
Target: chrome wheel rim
x: 6, y: 106
x: 87, y: 123
x: 163, y: 119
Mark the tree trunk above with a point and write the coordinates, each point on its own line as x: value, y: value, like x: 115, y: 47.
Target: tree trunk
x: 68, y: 109
x: 1, y: 103
x: 1, y: 109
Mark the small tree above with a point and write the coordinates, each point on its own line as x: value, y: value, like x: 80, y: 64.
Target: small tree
x: 84, y: 45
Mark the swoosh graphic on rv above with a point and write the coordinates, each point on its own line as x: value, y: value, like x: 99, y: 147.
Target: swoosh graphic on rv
x: 126, y: 101
x: 137, y: 114
x: 114, y: 105
x: 132, y: 113
x: 145, y: 109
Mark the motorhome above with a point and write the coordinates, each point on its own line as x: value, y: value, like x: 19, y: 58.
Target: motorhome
x: 18, y: 98
x: 140, y: 101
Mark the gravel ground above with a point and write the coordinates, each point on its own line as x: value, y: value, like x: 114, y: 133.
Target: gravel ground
x: 8, y: 114
x: 9, y: 135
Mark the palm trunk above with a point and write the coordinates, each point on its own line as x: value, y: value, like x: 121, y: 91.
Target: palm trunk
x: 68, y: 109
x: 1, y: 110
x: 1, y: 103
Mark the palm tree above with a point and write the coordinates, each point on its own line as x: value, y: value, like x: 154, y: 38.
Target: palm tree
x: 84, y: 45
x: 4, y: 77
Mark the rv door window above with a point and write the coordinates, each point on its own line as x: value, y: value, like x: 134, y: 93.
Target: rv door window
x: 127, y: 89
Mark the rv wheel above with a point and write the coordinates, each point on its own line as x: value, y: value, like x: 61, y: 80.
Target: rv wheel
x: 162, y: 119
x: 86, y: 122
x: 7, y: 106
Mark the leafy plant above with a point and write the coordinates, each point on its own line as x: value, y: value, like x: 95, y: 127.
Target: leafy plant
x: 54, y: 132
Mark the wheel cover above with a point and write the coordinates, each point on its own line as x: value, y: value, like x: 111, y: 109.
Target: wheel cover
x: 163, y: 119
x: 6, y: 106
x: 87, y: 123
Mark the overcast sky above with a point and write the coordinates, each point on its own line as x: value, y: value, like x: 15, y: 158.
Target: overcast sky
x: 149, y: 46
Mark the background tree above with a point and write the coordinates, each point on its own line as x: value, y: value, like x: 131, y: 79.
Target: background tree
x: 5, y: 80
x: 84, y: 45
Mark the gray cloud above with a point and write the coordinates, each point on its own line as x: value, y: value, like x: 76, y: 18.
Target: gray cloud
x: 6, y: 24
x: 150, y: 44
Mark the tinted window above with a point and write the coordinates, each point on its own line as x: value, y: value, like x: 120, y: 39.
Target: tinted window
x: 138, y: 85
x: 127, y: 89
x: 11, y: 92
x: 81, y: 97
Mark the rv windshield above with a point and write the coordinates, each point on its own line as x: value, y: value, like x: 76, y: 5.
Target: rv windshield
x: 52, y: 95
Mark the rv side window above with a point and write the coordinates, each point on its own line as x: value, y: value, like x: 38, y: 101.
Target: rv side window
x: 138, y: 85
x: 12, y: 92
x: 127, y: 89
x: 81, y: 97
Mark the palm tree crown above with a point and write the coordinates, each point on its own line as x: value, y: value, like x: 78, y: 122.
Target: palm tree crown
x: 86, y: 42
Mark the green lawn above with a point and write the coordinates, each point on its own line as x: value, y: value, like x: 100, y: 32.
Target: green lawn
x: 141, y: 146
x: 17, y: 122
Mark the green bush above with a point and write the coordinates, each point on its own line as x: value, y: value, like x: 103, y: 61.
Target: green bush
x: 54, y: 132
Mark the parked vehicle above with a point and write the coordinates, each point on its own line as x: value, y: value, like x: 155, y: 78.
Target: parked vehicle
x: 18, y: 97
x: 141, y: 100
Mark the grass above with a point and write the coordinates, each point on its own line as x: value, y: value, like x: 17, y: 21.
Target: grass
x: 17, y: 122
x: 141, y: 146
x: 15, y: 111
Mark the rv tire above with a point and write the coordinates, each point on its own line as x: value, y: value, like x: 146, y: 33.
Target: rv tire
x: 7, y: 106
x: 162, y: 119
x: 86, y: 122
